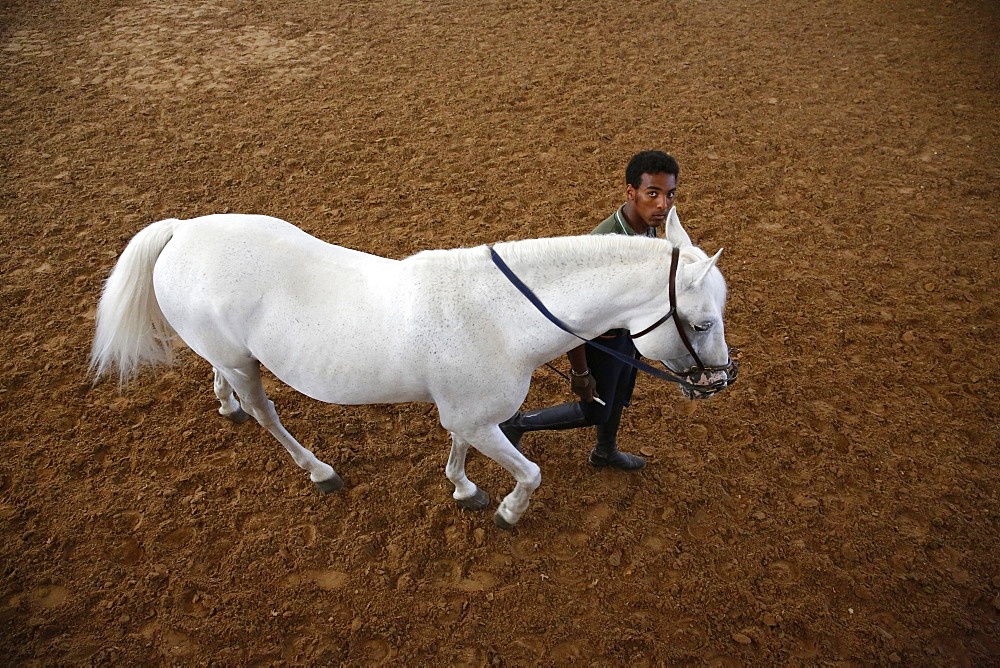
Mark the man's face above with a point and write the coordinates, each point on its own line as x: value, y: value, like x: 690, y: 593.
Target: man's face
x: 652, y: 200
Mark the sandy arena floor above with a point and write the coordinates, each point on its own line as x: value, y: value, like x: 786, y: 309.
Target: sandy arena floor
x: 838, y: 506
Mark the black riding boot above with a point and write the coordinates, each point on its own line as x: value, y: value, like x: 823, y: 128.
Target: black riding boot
x: 563, y: 416
x: 606, y: 453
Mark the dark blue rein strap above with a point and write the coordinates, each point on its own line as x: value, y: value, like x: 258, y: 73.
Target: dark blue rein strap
x: 631, y: 361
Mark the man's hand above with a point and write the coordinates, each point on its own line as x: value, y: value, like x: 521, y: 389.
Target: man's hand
x: 584, y: 385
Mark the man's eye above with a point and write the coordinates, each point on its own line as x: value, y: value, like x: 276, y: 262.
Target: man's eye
x: 672, y: 194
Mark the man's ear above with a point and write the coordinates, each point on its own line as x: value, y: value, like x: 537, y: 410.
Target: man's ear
x: 629, y: 192
x: 675, y: 233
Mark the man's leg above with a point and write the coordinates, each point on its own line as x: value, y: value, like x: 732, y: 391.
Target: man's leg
x: 615, y: 381
x: 606, y: 452
x: 563, y: 416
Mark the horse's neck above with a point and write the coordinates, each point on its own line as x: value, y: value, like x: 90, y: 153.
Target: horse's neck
x: 592, y: 284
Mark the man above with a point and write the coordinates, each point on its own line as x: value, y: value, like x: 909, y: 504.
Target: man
x: 603, y: 383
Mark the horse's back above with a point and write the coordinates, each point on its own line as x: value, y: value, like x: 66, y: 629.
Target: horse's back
x: 239, y: 287
x: 272, y: 240
x: 224, y: 247
x: 233, y: 260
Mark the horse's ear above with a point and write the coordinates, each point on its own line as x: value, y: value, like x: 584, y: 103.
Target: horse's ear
x: 701, y: 268
x: 675, y: 233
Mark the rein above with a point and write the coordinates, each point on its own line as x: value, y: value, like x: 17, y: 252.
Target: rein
x: 667, y: 375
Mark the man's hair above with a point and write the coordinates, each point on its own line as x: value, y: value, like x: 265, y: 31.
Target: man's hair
x: 650, y: 162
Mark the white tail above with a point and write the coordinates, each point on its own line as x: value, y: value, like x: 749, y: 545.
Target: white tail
x: 131, y: 328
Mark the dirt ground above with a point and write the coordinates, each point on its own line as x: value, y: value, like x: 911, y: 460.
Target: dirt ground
x: 838, y: 506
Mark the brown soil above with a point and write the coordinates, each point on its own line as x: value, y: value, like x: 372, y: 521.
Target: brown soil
x: 839, y: 505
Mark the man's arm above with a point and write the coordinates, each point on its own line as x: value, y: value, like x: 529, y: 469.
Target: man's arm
x: 578, y: 360
x: 581, y: 380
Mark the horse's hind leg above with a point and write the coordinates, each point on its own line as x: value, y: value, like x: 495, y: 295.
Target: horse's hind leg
x: 246, y: 382
x: 230, y: 408
x: 467, y: 495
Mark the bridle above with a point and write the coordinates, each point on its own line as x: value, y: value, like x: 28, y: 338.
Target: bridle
x: 730, y: 367
x: 702, y: 386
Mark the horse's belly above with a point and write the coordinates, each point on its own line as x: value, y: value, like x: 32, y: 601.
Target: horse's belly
x: 348, y: 377
x: 344, y: 353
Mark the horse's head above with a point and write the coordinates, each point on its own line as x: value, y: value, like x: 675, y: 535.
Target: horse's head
x: 690, y: 340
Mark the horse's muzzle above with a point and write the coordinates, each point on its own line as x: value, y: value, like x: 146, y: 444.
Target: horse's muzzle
x: 704, y: 382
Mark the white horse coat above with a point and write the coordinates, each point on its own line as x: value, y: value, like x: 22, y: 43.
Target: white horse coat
x: 347, y: 327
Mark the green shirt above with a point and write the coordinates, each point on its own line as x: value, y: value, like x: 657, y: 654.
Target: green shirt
x: 616, y: 224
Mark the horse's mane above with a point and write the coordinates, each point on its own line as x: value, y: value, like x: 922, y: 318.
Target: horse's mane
x: 550, y: 249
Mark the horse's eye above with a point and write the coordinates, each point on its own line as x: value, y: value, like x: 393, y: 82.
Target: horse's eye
x: 703, y: 327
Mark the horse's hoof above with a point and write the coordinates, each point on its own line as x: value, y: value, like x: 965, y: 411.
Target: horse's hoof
x: 501, y: 522
x: 239, y: 416
x: 334, y: 484
x: 477, y: 501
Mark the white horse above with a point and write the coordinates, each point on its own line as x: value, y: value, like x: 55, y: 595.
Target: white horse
x: 442, y: 326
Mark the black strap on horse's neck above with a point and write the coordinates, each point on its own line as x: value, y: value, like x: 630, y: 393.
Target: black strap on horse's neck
x: 631, y: 361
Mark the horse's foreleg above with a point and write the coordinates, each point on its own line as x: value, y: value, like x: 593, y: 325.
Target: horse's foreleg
x: 528, y: 477
x: 230, y: 408
x: 246, y: 382
x: 467, y: 495
x: 492, y: 443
